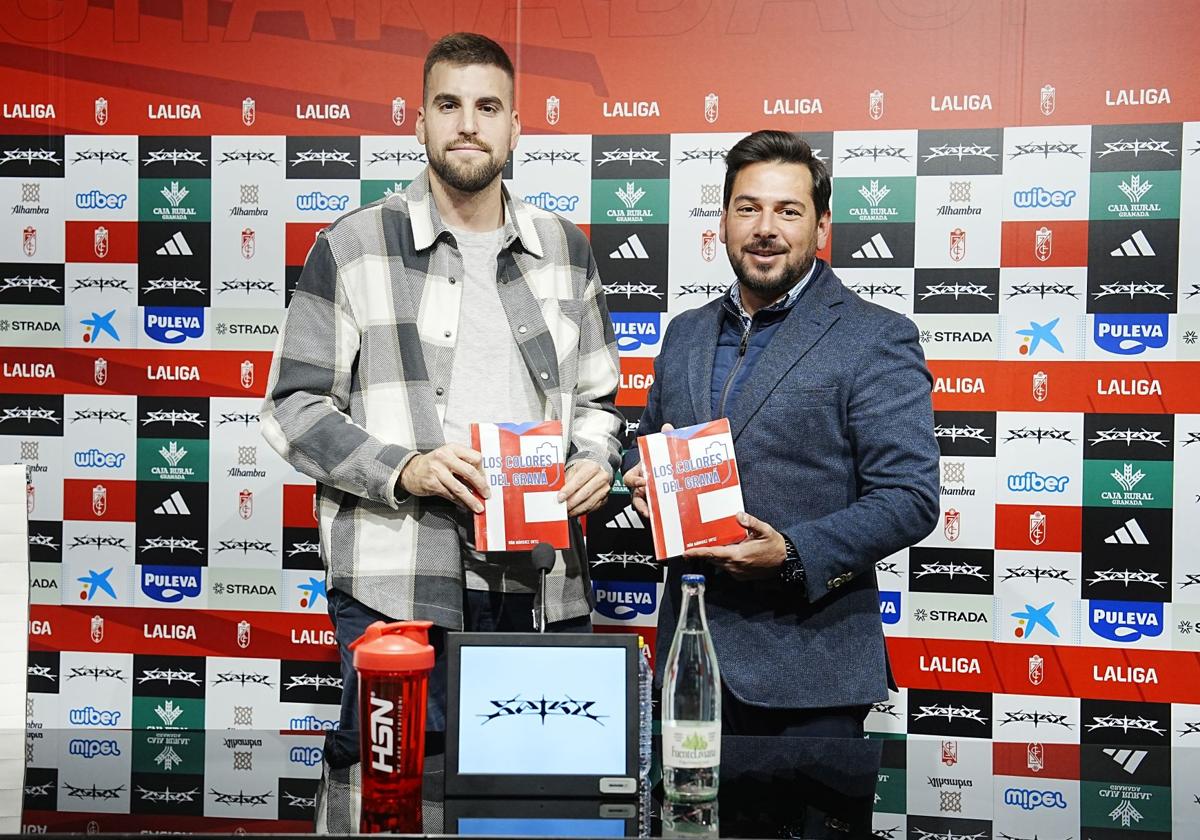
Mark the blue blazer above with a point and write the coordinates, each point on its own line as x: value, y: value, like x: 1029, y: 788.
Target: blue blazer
x: 833, y: 432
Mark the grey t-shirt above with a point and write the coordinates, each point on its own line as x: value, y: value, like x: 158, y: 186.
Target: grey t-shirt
x: 490, y: 383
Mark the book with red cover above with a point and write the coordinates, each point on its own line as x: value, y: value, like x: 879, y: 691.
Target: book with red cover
x: 523, y: 465
x: 693, y: 487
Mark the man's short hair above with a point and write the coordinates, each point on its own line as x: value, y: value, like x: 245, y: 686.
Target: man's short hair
x: 778, y: 147
x: 463, y: 48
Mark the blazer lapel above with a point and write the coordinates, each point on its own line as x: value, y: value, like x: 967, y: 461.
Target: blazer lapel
x: 702, y: 349
x: 801, y: 329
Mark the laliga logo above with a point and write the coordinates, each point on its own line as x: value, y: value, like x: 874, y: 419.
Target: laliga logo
x: 247, y: 378
x: 553, y: 110
x: 1046, y: 105
x: 248, y: 112
x: 29, y: 241
x: 243, y: 634
x: 101, y: 111
x: 398, y: 109
x: 711, y: 104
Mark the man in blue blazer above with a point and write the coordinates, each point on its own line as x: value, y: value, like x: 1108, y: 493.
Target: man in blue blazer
x: 828, y: 399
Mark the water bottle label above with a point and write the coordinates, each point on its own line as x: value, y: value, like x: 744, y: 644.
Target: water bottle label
x: 691, y: 745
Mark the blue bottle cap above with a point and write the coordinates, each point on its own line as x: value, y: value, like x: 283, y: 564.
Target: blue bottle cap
x: 693, y: 578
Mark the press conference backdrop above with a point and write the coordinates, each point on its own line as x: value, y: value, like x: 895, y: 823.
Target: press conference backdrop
x: 1020, y: 179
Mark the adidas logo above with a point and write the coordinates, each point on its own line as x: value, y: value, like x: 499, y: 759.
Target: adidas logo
x: 176, y: 246
x: 1135, y: 246
x: 1129, y: 760
x: 874, y: 248
x: 174, y: 505
x: 1128, y: 534
x: 627, y: 518
x: 631, y: 249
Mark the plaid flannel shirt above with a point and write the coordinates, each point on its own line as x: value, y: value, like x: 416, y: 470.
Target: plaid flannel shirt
x: 361, y: 377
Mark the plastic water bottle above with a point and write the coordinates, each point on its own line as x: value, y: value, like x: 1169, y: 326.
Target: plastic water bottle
x: 691, y: 704
x: 645, y: 712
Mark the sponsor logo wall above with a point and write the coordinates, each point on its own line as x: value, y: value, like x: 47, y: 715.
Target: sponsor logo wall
x: 1038, y: 238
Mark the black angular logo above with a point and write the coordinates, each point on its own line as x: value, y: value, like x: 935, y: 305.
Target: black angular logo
x: 323, y: 157
x: 32, y: 283
x: 955, y: 714
x: 1146, y: 437
x: 965, y: 433
x: 174, y: 157
x: 631, y: 156
x: 973, y: 151
x: 969, y: 571
x: 1121, y: 148
x: 956, y: 290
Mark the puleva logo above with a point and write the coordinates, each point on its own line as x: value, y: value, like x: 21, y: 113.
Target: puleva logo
x: 635, y: 330
x: 1125, y: 621
x: 1129, y: 335
x: 170, y: 584
x: 174, y: 324
x: 889, y: 607
x: 625, y: 601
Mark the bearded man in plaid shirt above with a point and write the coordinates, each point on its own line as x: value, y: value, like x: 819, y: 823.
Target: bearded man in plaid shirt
x: 449, y: 303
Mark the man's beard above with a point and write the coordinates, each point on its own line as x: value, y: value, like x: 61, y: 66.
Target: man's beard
x: 466, y: 177
x: 763, y: 284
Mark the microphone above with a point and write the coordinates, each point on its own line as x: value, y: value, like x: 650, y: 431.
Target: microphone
x: 543, y: 556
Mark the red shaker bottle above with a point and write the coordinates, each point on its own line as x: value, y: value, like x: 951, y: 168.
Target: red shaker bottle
x: 393, y: 663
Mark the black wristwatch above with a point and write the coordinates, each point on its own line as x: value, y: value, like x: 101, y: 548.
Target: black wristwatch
x: 792, y: 570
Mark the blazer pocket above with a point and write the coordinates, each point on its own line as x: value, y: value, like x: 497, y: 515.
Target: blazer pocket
x: 811, y: 397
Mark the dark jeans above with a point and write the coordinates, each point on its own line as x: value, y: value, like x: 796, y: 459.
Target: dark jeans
x: 483, y: 612
x: 738, y: 718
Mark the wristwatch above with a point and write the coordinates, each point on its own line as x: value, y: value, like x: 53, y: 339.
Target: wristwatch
x: 792, y: 570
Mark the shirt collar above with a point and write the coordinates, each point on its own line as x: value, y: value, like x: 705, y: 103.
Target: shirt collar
x: 428, y: 227
x: 785, y: 302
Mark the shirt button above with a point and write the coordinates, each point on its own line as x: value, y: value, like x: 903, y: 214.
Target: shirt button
x: 522, y: 329
x: 446, y: 333
x: 544, y: 375
x: 440, y: 391
x: 453, y: 281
